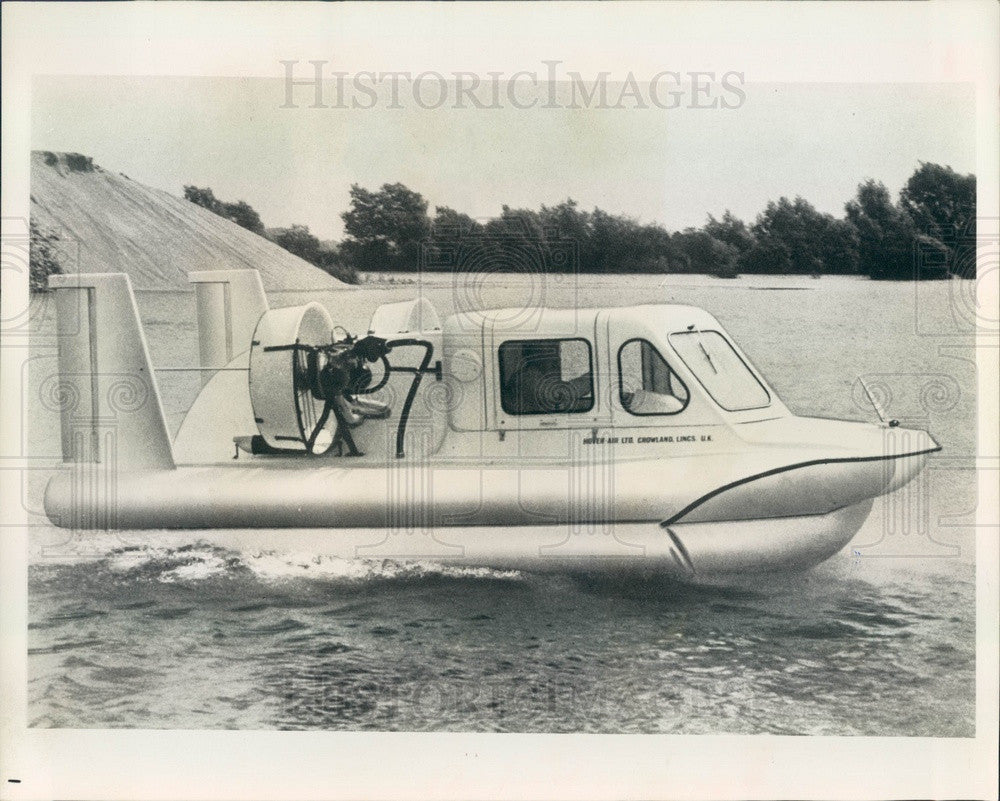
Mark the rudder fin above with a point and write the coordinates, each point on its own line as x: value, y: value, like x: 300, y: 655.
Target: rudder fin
x: 230, y: 303
x: 113, y: 413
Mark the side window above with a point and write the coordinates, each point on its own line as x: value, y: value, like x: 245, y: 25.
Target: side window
x: 546, y: 376
x: 647, y: 385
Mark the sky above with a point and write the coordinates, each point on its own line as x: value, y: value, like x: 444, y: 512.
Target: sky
x: 673, y: 166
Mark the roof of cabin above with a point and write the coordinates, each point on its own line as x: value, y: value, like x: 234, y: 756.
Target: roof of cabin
x: 550, y: 321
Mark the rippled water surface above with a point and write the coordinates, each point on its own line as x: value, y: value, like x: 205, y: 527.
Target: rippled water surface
x: 202, y: 636
x: 219, y: 630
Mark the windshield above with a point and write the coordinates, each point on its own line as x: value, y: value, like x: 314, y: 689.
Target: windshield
x: 720, y: 370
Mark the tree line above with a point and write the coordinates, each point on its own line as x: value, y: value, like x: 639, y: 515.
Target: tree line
x: 929, y: 232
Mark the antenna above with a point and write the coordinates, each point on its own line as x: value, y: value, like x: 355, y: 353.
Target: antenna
x: 873, y: 402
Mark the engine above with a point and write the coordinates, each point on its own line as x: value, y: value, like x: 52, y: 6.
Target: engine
x: 306, y: 385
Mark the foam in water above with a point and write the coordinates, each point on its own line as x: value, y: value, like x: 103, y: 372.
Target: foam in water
x: 199, y: 562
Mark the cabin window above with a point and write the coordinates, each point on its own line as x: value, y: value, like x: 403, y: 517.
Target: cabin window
x: 720, y: 369
x: 546, y: 376
x: 646, y: 384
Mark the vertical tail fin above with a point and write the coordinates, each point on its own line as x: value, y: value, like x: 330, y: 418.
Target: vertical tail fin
x: 230, y: 302
x: 114, y: 415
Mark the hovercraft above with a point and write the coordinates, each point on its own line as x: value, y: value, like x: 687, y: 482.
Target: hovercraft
x: 538, y: 439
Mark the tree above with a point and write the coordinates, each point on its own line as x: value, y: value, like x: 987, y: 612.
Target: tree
x: 656, y: 251
x: 448, y: 223
x: 240, y: 212
x: 793, y: 237
x: 204, y: 198
x: 514, y: 242
x: 523, y: 225
x: 330, y: 260
x: 244, y: 215
x: 885, y: 232
x: 43, y: 258
x: 838, y: 247
x: 703, y: 253
x: 942, y: 205
x: 938, y: 198
x: 565, y: 225
x: 385, y: 229
x: 767, y: 255
x: 616, y: 245
x: 731, y: 230
x: 298, y: 240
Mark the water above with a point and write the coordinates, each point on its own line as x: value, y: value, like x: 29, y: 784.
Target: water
x: 243, y: 630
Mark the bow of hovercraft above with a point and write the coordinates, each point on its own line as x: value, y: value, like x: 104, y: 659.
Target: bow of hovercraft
x: 800, y: 494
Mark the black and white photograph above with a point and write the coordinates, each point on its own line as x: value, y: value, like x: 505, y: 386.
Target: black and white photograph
x: 409, y: 400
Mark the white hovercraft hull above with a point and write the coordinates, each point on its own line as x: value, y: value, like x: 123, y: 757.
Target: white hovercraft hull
x: 714, y: 495
x: 787, y: 517
x: 694, y: 552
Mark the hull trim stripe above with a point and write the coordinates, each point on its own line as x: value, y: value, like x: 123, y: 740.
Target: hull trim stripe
x: 719, y: 490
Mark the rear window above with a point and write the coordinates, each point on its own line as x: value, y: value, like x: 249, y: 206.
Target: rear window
x: 720, y: 370
x: 546, y: 376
